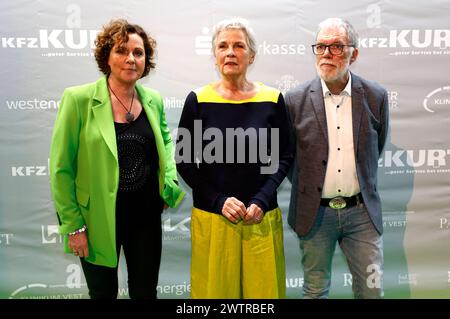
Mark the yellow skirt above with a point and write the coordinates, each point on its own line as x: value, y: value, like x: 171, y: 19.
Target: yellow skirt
x: 236, y: 260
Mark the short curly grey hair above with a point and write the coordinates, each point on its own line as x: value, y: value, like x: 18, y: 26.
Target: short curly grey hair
x: 235, y: 23
x: 352, y: 35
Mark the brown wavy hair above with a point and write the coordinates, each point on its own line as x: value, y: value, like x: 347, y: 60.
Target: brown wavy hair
x: 116, y: 31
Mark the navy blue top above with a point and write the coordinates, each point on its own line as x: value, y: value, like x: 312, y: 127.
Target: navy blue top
x: 238, y: 175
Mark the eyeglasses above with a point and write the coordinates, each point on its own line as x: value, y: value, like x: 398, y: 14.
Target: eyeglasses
x: 335, y: 48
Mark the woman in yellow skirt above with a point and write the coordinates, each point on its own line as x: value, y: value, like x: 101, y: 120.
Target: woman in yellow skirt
x: 234, y: 150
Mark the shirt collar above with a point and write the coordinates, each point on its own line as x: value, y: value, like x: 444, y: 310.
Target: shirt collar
x: 348, y: 88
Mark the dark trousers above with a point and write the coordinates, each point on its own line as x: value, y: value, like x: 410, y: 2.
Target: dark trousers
x: 138, y: 231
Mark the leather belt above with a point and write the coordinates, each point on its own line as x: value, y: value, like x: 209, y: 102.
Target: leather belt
x: 340, y: 202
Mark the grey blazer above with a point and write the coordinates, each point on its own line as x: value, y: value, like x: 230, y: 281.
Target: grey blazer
x: 370, y: 115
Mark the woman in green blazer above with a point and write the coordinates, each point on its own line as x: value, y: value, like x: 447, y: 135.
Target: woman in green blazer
x: 112, y: 167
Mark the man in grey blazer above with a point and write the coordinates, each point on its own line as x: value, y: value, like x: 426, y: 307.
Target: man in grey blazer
x: 340, y: 123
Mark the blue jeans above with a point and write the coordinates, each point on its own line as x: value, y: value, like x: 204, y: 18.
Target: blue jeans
x: 361, y: 244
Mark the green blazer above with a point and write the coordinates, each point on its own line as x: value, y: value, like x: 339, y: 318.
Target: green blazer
x: 84, y: 167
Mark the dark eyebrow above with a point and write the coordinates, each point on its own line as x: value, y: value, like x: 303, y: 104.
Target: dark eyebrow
x: 334, y: 43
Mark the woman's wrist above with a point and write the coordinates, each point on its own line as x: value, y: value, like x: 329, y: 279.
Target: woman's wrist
x: 78, y: 231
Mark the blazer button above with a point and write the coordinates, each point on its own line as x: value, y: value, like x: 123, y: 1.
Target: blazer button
x: 319, y: 189
x: 324, y: 162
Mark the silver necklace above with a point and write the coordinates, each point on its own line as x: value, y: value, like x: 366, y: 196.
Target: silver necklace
x: 129, y: 117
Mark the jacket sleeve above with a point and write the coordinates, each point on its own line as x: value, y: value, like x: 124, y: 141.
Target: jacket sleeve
x: 384, y: 119
x: 289, y: 108
x: 186, y: 156
x: 284, y: 158
x: 63, y: 163
x: 172, y: 193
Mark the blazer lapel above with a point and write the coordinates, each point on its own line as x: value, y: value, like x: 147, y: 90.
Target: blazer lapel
x: 357, y: 108
x: 103, y: 115
x: 152, y: 114
x: 319, y: 106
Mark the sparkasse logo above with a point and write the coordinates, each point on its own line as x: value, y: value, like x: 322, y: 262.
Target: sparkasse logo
x: 203, y: 46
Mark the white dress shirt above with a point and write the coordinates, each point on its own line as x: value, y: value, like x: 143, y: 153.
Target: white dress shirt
x: 341, y: 178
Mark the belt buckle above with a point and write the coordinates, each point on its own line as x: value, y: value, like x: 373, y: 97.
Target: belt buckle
x: 337, y: 203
